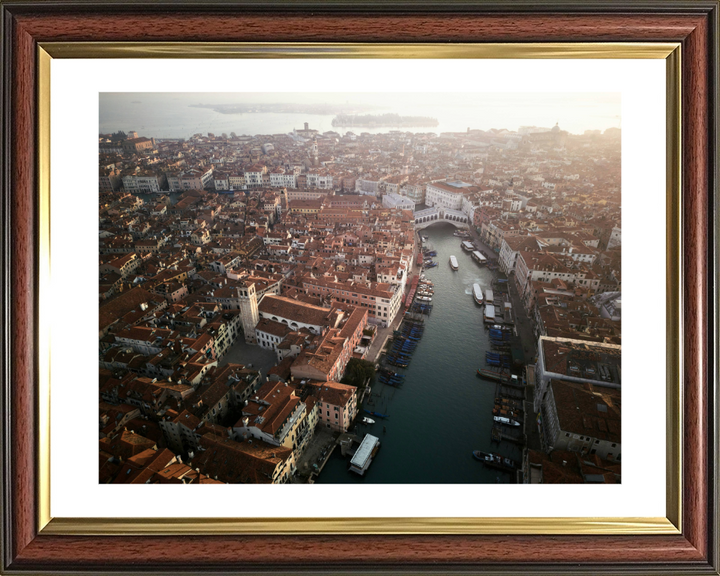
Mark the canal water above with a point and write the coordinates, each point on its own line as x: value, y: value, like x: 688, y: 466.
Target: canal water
x: 443, y: 411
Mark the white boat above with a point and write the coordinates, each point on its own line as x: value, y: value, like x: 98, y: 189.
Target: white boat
x: 489, y: 296
x: 423, y: 299
x: 367, y: 420
x: 506, y: 421
x: 479, y: 258
x: 489, y: 313
x: 467, y: 246
x: 477, y: 293
x: 453, y: 263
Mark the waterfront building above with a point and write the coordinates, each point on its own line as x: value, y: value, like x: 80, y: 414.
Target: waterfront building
x: 583, y: 418
x: 415, y: 191
x: 510, y: 248
x: 280, y: 179
x: 575, y: 361
x: 143, y: 182
x: 192, y: 179
x: 447, y: 194
x: 337, y: 404
x: 254, y: 175
x: 577, y: 395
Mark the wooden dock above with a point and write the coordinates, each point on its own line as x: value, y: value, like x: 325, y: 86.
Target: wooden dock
x: 505, y: 390
x: 497, y: 435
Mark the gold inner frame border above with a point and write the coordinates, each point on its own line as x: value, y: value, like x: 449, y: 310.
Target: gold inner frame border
x: 671, y: 524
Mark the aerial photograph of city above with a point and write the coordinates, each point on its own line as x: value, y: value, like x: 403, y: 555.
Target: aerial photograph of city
x: 349, y: 288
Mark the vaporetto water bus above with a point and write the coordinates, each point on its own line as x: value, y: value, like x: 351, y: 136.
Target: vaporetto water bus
x: 477, y: 293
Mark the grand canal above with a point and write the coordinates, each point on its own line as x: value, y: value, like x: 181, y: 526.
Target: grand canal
x: 443, y: 411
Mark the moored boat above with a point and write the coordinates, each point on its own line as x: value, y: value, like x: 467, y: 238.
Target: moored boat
x: 367, y: 420
x: 499, y: 374
x: 479, y: 258
x: 378, y: 414
x: 506, y: 421
x: 467, y: 246
x: 489, y: 310
x: 453, y: 263
x: 495, y: 461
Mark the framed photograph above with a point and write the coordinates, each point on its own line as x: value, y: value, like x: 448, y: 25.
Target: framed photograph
x: 275, y: 184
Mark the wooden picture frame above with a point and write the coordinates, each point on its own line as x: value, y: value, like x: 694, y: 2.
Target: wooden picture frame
x: 29, y: 546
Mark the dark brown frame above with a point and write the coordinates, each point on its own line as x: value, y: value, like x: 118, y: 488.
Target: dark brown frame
x: 693, y: 23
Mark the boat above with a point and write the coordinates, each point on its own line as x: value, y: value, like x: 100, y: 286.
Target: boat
x: 424, y: 238
x: 467, y: 246
x: 479, y: 258
x: 423, y: 299
x: 378, y: 414
x: 489, y: 310
x: 453, y: 263
x: 508, y: 403
x: 367, y: 420
x: 391, y: 373
x: 506, y: 421
x: 431, y: 265
x: 499, y: 374
x: 489, y: 296
x: 495, y: 461
x: 499, y: 410
x: 477, y: 293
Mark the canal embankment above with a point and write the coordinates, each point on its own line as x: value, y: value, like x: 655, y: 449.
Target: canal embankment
x: 441, y: 411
